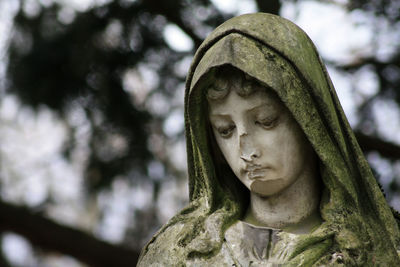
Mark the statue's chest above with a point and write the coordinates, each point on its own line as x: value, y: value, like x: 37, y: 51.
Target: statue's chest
x: 249, y: 246
x: 256, y: 246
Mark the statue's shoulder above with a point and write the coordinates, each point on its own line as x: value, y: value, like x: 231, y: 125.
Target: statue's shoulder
x: 163, y: 250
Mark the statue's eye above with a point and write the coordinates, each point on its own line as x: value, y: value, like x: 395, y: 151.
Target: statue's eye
x: 267, y: 123
x: 226, y: 132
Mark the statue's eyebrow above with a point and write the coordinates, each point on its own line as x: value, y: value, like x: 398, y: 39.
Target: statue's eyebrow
x: 269, y: 105
x: 220, y: 115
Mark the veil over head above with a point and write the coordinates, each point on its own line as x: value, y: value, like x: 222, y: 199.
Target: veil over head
x: 357, y: 221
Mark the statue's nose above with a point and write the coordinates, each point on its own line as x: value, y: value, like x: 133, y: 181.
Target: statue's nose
x: 248, y: 149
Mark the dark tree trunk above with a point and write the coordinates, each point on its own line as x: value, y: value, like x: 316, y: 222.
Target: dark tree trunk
x: 52, y: 236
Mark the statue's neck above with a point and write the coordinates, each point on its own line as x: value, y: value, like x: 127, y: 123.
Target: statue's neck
x: 295, y: 209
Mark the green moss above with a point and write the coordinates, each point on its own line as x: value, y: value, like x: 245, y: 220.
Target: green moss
x: 359, y: 227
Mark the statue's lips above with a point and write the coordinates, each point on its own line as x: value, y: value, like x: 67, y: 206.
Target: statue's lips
x: 255, y: 172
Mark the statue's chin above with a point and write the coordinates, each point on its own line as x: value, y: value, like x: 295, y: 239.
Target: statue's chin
x: 267, y: 187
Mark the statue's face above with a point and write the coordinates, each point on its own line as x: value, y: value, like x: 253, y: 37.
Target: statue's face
x: 260, y: 140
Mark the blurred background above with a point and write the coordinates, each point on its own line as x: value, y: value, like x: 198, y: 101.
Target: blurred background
x: 92, y: 149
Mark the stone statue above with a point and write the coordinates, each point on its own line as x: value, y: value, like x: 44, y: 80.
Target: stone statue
x: 276, y: 176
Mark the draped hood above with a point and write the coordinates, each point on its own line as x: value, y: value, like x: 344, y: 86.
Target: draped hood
x: 357, y: 221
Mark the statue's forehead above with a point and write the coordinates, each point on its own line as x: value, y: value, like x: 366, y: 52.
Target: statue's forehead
x: 259, y: 100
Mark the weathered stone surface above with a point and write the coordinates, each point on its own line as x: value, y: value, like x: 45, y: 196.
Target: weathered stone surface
x: 358, y: 227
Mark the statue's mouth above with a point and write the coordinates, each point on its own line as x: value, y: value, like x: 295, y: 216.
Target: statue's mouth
x: 254, y: 171
x: 257, y: 173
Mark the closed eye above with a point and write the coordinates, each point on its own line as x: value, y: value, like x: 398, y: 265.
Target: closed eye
x: 267, y: 123
x: 226, y: 132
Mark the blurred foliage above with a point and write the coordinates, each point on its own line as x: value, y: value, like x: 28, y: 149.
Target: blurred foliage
x: 386, y: 8
x: 62, y: 66
x: 81, y: 64
x: 387, y: 68
x: 67, y: 65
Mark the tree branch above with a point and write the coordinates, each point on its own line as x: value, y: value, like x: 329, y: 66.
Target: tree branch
x: 362, y: 61
x: 370, y: 143
x: 357, y: 63
x: 272, y: 6
x: 3, y: 261
x: 52, y: 236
